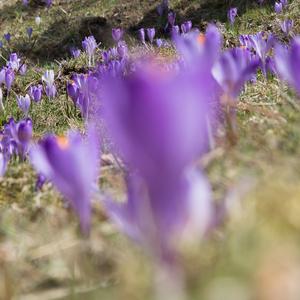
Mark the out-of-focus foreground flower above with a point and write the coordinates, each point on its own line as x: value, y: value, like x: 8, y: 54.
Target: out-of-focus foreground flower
x: 72, y: 165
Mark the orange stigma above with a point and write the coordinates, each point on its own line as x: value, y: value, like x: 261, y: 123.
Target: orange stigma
x: 263, y: 37
x: 201, y: 39
x: 73, y: 82
x: 86, y: 75
x: 62, y: 142
x: 243, y: 47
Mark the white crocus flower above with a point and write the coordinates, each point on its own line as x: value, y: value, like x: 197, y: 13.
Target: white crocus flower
x: 38, y: 21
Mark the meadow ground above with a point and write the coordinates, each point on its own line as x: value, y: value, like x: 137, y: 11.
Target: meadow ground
x: 255, y: 254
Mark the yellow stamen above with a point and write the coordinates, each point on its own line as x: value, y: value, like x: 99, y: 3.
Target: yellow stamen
x: 201, y: 39
x: 62, y: 142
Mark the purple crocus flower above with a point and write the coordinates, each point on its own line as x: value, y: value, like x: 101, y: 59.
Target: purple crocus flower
x: 51, y: 91
x: 175, y: 31
x: 89, y: 45
x: 117, y: 34
x: 278, y: 8
x: 14, y: 61
x: 19, y: 135
x: 9, y: 78
x: 287, y: 26
x: 23, y: 69
x: 3, y: 164
x: 287, y: 63
x: 198, y: 49
x: 2, y: 74
x: 7, y: 37
x: 245, y: 42
x: 160, y: 10
x: 36, y: 93
x: 231, y: 14
x: 270, y: 66
x: 24, y: 3
x: 232, y: 71
x: 29, y: 32
x: 284, y: 2
x: 75, y: 52
x: 1, y: 99
x: 48, y: 2
x: 114, y: 52
x: 158, y: 43
x: 24, y: 103
x: 171, y: 18
x: 72, y: 165
x: 142, y: 35
x: 2, y: 44
x: 156, y: 126
x: 122, y: 50
x: 151, y: 34
x: 40, y: 181
x: 260, y: 3
x: 261, y: 46
x: 73, y: 92
x: 106, y: 56
x: 186, y: 27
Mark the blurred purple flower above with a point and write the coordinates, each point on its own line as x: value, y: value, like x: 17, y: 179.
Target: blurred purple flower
x: 142, y: 35
x: 89, y: 45
x: 231, y: 14
x: 284, y: 2
x: 48, y: 2
x: 2, y: 44
x: 287, y: 63
x: 3, y: 164
x: 122, y: 50
x: 51, y: 91
x: 117, y: 34
x: 175, y: 31
x: 24, y: 3
x: 232, y: 70
x: 40, y: 181
x: 29, y: 32
x: 278, y: 8
x: 24, y: 103
x: 73, y: 92
x: 245, y: 41
x: 287, y: 26
x: 9, y: 78
x: 156, y: 125
x: 106, y: 56
x: 7, y: 37
x: 2, y: 74
x: 160, y: 10
x: 114, y: 52
x: 1, y: 99
x: 186, y: 27
x: 261, y: 46
x: 151, y: 34
x: 75, y: 52
x: 23, y: 69
x: 171, y: 18
x: 36, y: 92
x: 72, y: 165
x: 14, y: 61
x: 260, y: 3
x: 158, y: 43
